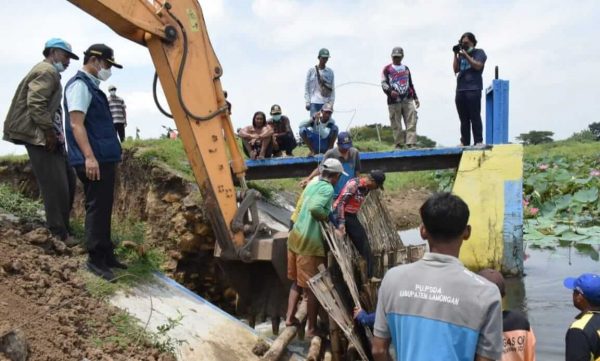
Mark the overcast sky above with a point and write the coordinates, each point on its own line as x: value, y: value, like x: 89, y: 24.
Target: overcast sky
x: 548, y: 50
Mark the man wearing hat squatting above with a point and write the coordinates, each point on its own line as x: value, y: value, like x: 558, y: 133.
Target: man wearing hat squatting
x: 319, y: 132
x: 583, y: 337
x: 94, y: 151
x: 397, y: 84
x: 347, y: 155
x: 319, y: 88
x: 283, y: 136
x: 34, y: 119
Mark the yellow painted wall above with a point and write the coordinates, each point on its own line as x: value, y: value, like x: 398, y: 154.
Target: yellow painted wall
x: 480, y: 182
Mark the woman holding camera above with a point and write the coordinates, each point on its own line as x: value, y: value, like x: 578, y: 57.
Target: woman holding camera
x: 468, y: 66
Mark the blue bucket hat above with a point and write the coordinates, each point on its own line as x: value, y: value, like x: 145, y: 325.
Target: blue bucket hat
x: 588, y: 284
x: 57, y: 43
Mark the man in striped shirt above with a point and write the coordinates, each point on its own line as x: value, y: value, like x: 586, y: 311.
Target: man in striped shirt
x: 117, y: 109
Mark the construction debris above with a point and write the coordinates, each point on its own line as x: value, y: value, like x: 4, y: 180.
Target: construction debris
x: 328, y: 296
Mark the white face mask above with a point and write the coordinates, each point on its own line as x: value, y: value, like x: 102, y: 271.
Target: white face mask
x: 60, y: 67
x: 104, y: 74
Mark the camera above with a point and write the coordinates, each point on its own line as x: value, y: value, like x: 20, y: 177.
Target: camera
x: 456, y: 48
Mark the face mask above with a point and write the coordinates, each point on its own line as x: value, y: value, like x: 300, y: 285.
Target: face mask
x: 113, y: 92
x: 277, y: 117
x: 59, y: 66
x: 104, y: 74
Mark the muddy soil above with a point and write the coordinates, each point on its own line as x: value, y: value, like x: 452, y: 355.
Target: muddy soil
x: 404, y: 207
x: 43, y: 295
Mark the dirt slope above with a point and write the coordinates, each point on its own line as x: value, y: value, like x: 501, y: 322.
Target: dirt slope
x: 404, y: 207
x: 44, y: 296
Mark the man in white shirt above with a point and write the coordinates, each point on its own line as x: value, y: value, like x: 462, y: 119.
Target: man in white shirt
x: 319, y: 88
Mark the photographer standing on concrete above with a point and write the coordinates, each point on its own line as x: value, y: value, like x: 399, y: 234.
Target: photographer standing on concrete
x: 468, y: 66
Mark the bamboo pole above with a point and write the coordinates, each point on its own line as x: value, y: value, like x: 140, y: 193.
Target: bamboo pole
x: 278, y: 347
x: 315, y: 349
x: 327, y: 355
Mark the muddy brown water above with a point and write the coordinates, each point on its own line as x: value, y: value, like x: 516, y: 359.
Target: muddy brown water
x: 541, y: 294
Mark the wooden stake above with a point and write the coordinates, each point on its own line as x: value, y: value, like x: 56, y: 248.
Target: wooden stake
x: 315, y: 349
x: 280, y: 344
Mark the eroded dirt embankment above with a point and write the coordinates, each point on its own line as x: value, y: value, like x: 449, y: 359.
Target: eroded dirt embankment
x: 43, y: 296
x: 170, y: 207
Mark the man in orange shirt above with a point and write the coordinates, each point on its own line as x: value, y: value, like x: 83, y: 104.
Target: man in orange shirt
x: 519, y: 340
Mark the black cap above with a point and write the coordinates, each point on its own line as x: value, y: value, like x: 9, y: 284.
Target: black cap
x: 378, y: 176
x: 103, y: 52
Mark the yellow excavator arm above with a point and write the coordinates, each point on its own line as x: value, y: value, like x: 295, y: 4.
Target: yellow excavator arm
x: 175, y: 34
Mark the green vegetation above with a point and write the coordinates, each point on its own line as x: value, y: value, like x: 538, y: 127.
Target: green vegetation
x: 535, y: 137
x: 12, y: 158
x: 15, y: 203
x: 130, y: 333
x: 370, y: 134
x: 167, y: 151
x: 128, y: 236
x: 561, y: 200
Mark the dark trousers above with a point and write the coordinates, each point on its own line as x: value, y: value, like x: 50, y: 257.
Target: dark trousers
x: 468, y: 105
x: 285, y: 143
x: 99, y: 197
x: 56, y: 181
x: 359, y: 238
x: 120, y: 128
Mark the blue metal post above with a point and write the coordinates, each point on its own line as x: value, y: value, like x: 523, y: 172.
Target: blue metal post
x: 496, y: 112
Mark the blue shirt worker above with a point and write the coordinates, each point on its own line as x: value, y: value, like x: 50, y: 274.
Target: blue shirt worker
x: 34, y: 120
x: 468, y: 66
x: 319, y: 88
x: 435, y: 308
x: 347, y: 155
x: 583, y: 337
x: 94, y: 151
x: 319, y: 132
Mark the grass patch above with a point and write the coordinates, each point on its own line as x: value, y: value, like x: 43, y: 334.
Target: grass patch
x: 566, y: 148
x: 15, y: 203
x: 14, y: 158
x: 167, y: 151
x: 129, y: 332
x: 130, y: 247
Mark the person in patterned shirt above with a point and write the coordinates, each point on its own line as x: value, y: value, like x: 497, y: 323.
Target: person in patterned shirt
x: 402, y: 100
x: 346, y: 208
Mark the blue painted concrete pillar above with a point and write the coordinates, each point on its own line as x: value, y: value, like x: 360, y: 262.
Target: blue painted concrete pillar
x: 496, y: 112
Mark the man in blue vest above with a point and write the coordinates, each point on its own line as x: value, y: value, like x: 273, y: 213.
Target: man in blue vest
x: 94, y: 151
